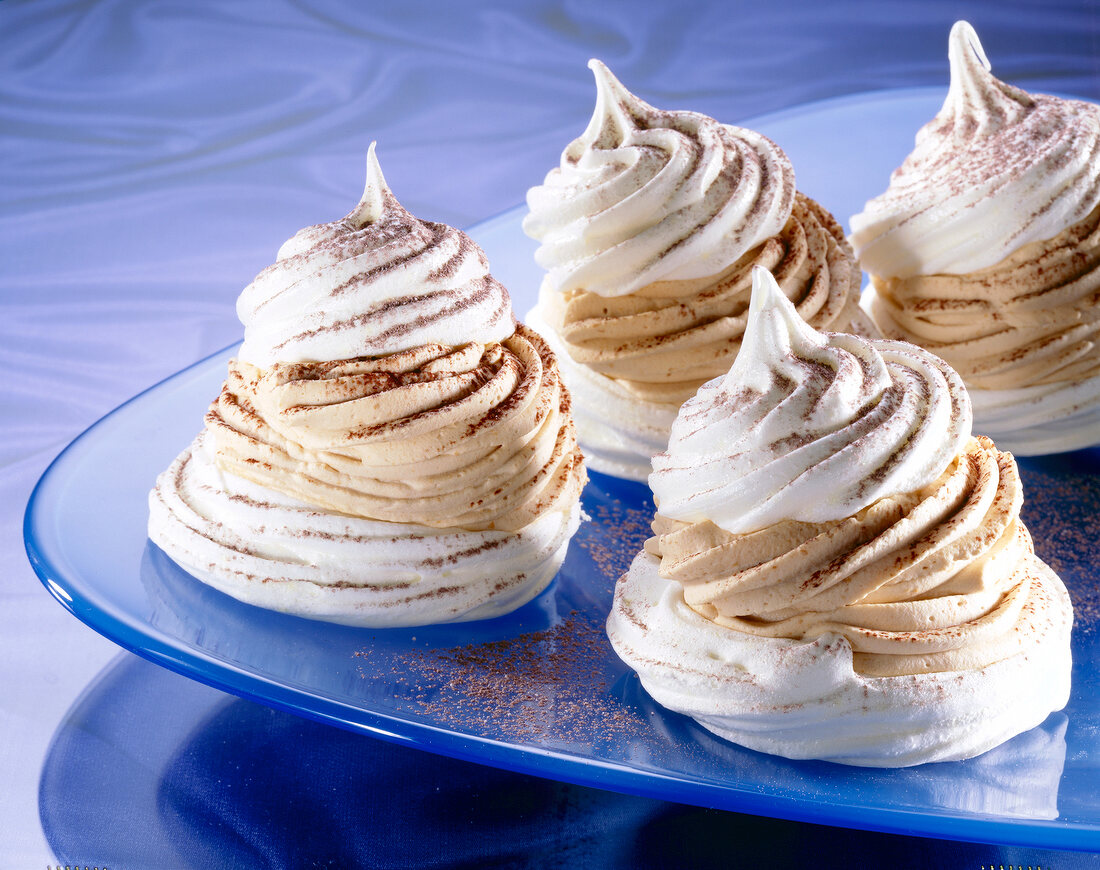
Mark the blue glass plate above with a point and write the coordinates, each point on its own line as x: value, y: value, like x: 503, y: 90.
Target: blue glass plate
x: 540, y: 691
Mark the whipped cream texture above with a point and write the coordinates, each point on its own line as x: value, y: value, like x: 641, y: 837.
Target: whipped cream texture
x: 620, y: 429
x: 269, y: 549
x: 375, y: 282
x: 838, y: 569
x: 399, y: 452
x: 996, y: 169
x: 808, y: 426
x: 1042, y: 419
x: 474, y: 437
x: 647, y: 195
x: 650, y: 229
x: 803, y: 698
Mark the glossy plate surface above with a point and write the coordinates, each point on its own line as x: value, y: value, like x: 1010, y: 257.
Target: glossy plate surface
x: 540, y: 690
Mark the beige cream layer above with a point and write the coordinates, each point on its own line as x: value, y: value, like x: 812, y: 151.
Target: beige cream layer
x: 932, y: 581
x: 1031, y: 319
x: 476, y: 437
x: 663, y: 341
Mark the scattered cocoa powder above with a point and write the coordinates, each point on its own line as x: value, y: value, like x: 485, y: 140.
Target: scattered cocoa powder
x: 556, y: 685
x: 543, y: 685
x: 612, y: 554
x: 1062, y: 512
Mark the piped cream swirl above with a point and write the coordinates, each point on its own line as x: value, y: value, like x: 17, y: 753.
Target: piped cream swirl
x: 341, y: 290
x: 920, y: 582
x: 815, y: 696
x: 650, y: 229
x: 664, y: 341
x: 995, y: 170
x: 808, y: 426
x: 817, y: 590
x: 271, y: 550
x: 386, y: 429
x: 475, y: 437
x: 647, y: 195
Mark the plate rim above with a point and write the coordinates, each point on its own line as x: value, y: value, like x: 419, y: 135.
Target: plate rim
x: 151, y: 643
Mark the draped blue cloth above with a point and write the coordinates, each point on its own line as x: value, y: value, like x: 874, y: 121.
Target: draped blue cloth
x: 153, y: 155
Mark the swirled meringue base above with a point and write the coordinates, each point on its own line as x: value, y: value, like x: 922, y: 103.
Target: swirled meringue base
x: 1042, y: 419
x: 803, y: 699
x: 271, y: 550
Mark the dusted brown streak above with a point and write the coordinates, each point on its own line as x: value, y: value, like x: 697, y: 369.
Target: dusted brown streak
x: 340, y: 240
x: 497, y: 450
x: 665, y: 341
x: 393, y: 263
x: 908, y: 558
x: 466, y: 248
x: 453, y: 558
x: 994, y: 326
x: 500, y: 365
x: 451, y: 301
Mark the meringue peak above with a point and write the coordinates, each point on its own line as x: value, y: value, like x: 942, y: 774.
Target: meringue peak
x: 996, y: 169
x: 374, y: 282
x: 377, y: 196
x: 977, y: 101
x: 773, y: 329
x: 617, y: 109
x: 647, y: 194
x: 808, y: 426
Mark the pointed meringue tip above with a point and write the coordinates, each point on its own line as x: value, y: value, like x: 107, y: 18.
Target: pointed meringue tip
x: 963, y: 37
x: 607, y: 83
x: 373, y: 202
x: 605, y: 79
x: 617, y: 109
x: 762, y: 338
x: 373, y: 169
x: 767, y: 297
x: 764, y: 289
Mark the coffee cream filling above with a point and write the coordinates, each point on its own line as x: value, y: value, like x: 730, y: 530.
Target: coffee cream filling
x: 476, y: 437
x: 663, y: 341
x: 1032, y: 319
x: 930, y: 581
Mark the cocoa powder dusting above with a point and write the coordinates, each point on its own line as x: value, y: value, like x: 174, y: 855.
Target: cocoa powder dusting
x: 562, y: 687
x: 612, y: 555
x: 1062, y: 512
x: 543, y: 685
x: 556, y: 685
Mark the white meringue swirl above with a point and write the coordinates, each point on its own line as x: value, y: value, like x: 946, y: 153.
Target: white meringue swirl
x: 1039, y: 419
x: 802, y: 698
x: 340, y: 290
x: 269, y: 549
x: 390, y: 447
x: 808, y: 426
x: 996, y: 169
x: 646, y: 195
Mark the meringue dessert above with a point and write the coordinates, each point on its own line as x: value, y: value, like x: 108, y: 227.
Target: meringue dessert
x: 839, y: 570
x: 648, y: 231
x: 390, y: 448
x: 985, y: 249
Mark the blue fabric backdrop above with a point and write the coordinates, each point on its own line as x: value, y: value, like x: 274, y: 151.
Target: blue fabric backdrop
x: 153, y: 155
